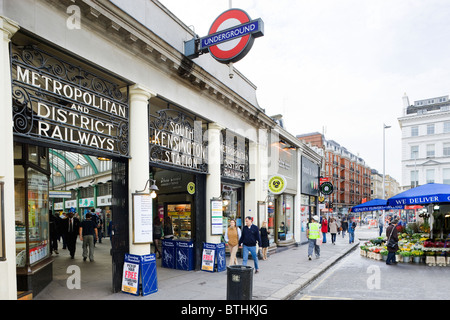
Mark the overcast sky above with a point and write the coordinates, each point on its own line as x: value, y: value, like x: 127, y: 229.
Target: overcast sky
x: 341, y: 66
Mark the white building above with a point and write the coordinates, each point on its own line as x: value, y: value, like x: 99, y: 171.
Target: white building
x: 425, y: 141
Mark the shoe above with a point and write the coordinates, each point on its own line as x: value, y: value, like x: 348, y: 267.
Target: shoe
x: 317, y: 257
x: 91, y: 260
x: 84, y: 259
x: 56, y: 251
x: 309, y: 257
x: 256, y: 271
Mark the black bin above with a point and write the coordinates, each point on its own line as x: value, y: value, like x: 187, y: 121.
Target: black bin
x: 239, y: 282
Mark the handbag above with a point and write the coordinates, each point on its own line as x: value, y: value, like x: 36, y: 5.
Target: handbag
x: 391, y: 244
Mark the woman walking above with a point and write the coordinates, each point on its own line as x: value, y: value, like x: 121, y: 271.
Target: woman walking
x: 232, y: 236
x: 264, y: 240
x: 333, y: 230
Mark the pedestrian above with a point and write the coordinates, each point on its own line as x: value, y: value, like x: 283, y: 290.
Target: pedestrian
x: 88, y: 232
x: 94, y: 219
x: 344, y: 226
x: 54, y: 232
x: 71, y: 229
x: 333, y: 230
x: 324, y: 229
x: 168, y: 230
x: 339, y: 226
x: 158, y: 233
x: 351, y: 232
x: 232, y: 236
x: 380, y: 224
x: 264, y: 240
x: 249, y: 238
x: 392, y: 242
x: 100, y: 227
x: 313, y: 233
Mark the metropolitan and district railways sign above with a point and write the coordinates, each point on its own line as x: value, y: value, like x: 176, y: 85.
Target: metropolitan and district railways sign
x: 63, y: 104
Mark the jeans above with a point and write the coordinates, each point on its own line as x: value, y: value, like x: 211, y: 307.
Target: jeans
x: 381, y: 230
x: 391, y: 258
x: 324, y: 237
x: 312, y: 246
x: 351, y: 237
x: 252, y: 250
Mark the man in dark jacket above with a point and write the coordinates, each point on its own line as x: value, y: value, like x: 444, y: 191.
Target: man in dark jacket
x: 250, y: 235
x: 392, y: 242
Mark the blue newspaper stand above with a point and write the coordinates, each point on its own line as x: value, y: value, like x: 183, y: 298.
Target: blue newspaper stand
x: 168, y: 254
x: 184, y: 252
x: 148, y: 274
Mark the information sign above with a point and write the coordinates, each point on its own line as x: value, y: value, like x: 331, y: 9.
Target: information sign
x: 142, y: 218
x: 216, y: 217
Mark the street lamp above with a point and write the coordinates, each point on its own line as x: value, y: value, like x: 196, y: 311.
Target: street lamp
x: 384, y: 164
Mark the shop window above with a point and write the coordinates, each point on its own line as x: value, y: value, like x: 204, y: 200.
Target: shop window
x: 31, y: 205
x: 232, y: 205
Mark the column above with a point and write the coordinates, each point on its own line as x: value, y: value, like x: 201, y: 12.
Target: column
x: 8, y: 289
x: 213, y: 180
x: 139, y: 169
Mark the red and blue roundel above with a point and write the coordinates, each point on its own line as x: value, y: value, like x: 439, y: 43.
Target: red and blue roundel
x: 231, y: 36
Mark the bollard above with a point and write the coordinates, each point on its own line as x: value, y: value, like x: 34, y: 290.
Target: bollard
x: 239, y: 282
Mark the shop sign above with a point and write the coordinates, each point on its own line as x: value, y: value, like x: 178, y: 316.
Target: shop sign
x: 176, y: 139
x: 277, y: 184
x: 230, y: 37
x: 326, y: 188
x: 191, y: 188
x: 309, y: 177
x: 60, y: 103
x: 234, y: 157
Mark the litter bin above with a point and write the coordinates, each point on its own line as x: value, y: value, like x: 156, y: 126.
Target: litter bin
x: 239, y: 282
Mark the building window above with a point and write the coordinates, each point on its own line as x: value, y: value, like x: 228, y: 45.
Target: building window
x: 447, y: 127
x: 414, y: 178
x: 446, y: 176
x: 430, y: 150
x: 446, y: 149
x: 430, y: 128
x: 430, y: 176
x: 414, y: 152
x: 414, y: 131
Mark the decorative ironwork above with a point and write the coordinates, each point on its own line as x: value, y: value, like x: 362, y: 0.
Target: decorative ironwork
x: 176, y: 139
x: 235, y: 157
x: 62, y: 103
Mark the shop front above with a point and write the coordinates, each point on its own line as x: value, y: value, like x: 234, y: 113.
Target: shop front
x: 58, y: 102
x: 178, y: 167
x: 310, y: 172
x: 281, y: 207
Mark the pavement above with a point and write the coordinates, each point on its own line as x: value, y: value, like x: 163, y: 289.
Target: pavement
x: 281, y: 276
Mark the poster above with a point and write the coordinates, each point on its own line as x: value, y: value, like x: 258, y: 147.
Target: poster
x: 130, y: 279
x: 142, y: 218
x: 208, y: 257
x: 216, y: 217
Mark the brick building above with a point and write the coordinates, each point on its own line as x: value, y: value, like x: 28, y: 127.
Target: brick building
x: 348, y: 173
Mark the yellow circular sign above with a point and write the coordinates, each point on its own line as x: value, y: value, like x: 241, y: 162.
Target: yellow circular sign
x: 277, y: 184
x: 191, y: 188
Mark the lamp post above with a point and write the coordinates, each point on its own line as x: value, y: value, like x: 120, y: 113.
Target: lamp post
x: 384, y: 165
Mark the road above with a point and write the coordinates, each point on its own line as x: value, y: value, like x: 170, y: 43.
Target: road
x: 360, y: 278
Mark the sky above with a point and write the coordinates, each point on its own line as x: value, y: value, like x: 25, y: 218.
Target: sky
x: 341, y: 67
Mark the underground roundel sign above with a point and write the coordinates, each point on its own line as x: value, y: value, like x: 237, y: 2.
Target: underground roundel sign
x: 231, y: 36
